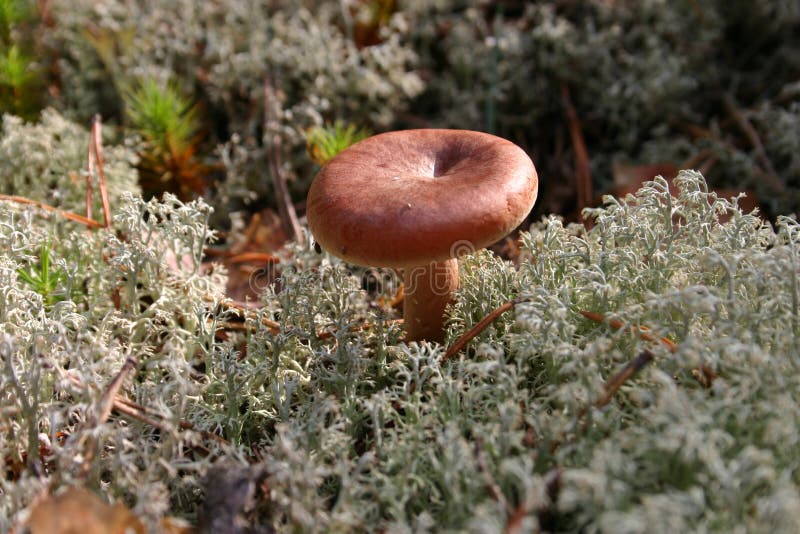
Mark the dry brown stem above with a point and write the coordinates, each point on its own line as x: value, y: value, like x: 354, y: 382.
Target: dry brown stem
x: 769, y: 174
x: 96, y: 151
x: 642, y: 332
x: 62, y: 213
x: 479, y: 327
x: 583, y: 173
x: 291, y: 225
x: 94, y: 161
x: 616, y: 382
x: 103, y: 410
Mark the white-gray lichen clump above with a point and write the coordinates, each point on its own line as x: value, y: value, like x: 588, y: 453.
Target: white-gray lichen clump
x: 46, y: 161
x: 224, y: 53
x: 362, y: 432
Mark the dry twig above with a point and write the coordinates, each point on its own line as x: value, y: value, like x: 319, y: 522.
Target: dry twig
x: 94, y: 161
x: 616, y: 382
x: 103, y: 410
x: 275, y: 327
x: 260, y: 257
x: 41, y: 205
x: 291, y: 225
x: 583, y: 173
x: 769, y: 174
x: 96, y: 152
x: 470, y: 334
x: 327, y: 334
x: 243, y: 311
x: 113, y: 401
x: 141, y: 413
x: 106, y: 402
x: 231, y: 256
x: 641, y: 331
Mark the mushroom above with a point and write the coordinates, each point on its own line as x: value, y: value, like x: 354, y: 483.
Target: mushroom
x: 416, y: 200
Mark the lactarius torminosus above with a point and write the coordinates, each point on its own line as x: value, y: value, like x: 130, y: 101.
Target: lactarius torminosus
x: 415, y: 200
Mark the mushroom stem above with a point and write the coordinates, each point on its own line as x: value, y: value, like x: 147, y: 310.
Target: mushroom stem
x: 428, y: 290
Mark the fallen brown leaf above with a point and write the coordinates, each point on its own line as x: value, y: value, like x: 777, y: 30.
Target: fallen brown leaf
x: 78, y: 511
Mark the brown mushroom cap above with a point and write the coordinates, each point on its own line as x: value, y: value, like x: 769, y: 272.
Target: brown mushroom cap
x: 407, y: 198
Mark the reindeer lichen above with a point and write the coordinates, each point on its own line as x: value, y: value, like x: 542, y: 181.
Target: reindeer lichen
x: 353, y: 429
